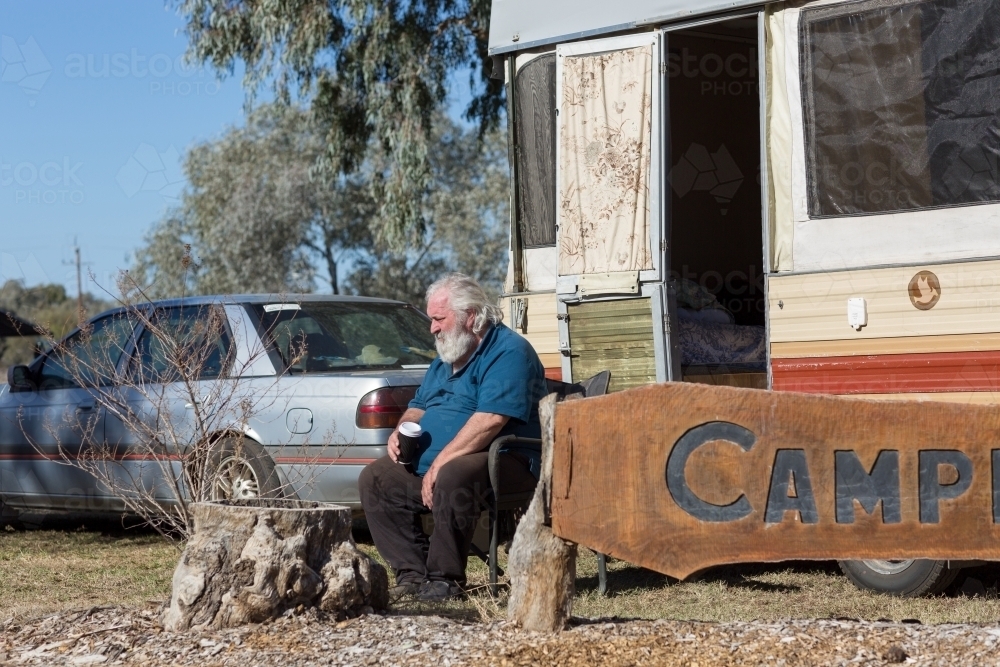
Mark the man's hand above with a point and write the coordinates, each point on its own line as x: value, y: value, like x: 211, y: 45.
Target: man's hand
x: 475, y: 436
x: 411, y: 415
x: 427, y: 488
x: 393, y: 446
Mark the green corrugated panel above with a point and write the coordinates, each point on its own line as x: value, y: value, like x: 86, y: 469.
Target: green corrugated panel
x: 615, y: 336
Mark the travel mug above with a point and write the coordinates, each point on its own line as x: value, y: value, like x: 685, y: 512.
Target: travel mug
x: 409, y: 442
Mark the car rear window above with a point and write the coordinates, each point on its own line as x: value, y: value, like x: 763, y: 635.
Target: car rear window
x: 324, y: 337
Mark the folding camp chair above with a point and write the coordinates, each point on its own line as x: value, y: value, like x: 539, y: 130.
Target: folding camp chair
x: 512, y: 502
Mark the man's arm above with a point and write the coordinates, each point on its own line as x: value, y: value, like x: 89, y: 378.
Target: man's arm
x: 411, y: 415
x: 475, y: 436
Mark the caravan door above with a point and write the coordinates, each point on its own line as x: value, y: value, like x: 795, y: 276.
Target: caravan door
x: 716, y: 200
x: 611, y: 249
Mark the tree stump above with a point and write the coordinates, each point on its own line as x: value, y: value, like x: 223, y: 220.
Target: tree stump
x: 542, y: 566
x: 251, y: 561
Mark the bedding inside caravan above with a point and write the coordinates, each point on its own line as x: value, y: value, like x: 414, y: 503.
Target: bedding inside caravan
x: 713, y: 169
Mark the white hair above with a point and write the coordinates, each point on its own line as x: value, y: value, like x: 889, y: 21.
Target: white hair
x: 465, y: 295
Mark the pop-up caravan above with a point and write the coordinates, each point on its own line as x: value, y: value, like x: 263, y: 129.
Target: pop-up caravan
x: 799, y: 196
x: 796, y: 196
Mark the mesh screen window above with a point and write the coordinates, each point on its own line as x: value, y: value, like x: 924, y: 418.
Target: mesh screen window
x: 536, y: 155
x: 901, y: 104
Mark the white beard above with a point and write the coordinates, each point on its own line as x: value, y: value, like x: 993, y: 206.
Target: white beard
x: 455, y: 344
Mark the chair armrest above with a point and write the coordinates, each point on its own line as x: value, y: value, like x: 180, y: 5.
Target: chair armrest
x: 494, y: 458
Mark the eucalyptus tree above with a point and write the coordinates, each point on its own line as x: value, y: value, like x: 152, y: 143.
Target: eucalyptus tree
x: 373, y: 74
x: 252, y: 218
x: 466, y: 217
x: 255, y: 218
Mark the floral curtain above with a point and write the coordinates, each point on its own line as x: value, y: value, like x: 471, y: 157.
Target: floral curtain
x: 605, y: 131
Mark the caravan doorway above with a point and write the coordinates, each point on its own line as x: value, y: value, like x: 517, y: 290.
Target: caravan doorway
x: 715, y: 216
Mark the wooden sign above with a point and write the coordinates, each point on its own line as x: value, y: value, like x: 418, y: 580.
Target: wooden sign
x: 680, y: 477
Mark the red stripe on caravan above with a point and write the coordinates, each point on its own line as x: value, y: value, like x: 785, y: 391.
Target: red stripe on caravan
x: 889, y: 373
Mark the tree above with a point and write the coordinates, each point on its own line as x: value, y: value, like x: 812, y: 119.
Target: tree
x: 465, y: 225
x: 252, y: 216
x: 47, y: 306
x: 253, y: 219
x: 374, y: 73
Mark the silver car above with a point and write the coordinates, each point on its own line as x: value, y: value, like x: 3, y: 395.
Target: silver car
x: 294, y: 396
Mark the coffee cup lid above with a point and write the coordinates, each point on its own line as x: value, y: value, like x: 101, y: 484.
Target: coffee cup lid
x: 411, y: 429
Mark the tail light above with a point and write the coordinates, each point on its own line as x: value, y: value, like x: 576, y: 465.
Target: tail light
x: 382, y: 408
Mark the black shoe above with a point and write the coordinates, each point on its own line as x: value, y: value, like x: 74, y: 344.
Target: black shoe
x: 439, y: 591
x: 403, y: 589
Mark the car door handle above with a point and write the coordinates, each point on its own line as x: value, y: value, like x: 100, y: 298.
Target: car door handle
x: 199, y: 403
x: 85, y: 407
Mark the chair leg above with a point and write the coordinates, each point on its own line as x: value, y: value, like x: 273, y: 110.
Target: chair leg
x: 494, y: 534
x: 480, y: 554
x: 602, y: 574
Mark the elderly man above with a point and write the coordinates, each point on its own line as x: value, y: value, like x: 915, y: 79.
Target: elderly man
x: 486, y: 382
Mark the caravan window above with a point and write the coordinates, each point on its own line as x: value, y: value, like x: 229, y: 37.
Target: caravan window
x: 536, y: 158
x: 901, y: 105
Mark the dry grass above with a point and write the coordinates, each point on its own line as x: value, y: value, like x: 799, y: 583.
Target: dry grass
x: 69, y: 568
x: 771, y: 592
x: 43, y: 571
x: 738, y: 593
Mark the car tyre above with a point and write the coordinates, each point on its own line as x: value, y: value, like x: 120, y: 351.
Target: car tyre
x: 242, y: 470
x: 902, y: 578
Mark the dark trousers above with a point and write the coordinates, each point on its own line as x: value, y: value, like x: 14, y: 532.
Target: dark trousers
x: 390, y: 496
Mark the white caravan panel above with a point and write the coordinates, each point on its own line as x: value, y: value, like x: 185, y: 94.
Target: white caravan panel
x: 523, y: 24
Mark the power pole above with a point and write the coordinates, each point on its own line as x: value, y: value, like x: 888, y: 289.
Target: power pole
x: 81, y: 313
x: 79, y: 285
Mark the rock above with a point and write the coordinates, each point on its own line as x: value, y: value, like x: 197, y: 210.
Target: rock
x: 895, y: 655
x: 252, y: 561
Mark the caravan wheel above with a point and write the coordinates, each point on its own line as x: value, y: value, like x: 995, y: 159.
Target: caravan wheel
x: 903, y: 578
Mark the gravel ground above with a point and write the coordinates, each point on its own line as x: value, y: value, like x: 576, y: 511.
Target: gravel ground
x: 127, y: 636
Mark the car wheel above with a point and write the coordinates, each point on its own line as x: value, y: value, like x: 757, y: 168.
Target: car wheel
x: 242, y: 470
x: 903, y: 578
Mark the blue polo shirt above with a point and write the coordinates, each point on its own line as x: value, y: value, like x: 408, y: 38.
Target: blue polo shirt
x: 504, y: 377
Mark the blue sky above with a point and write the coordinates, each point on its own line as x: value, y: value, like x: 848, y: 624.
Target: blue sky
x: 97, y: 110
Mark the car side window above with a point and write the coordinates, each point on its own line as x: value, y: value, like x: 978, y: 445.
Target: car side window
x: 89, y: 357
x: 187, y: 343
